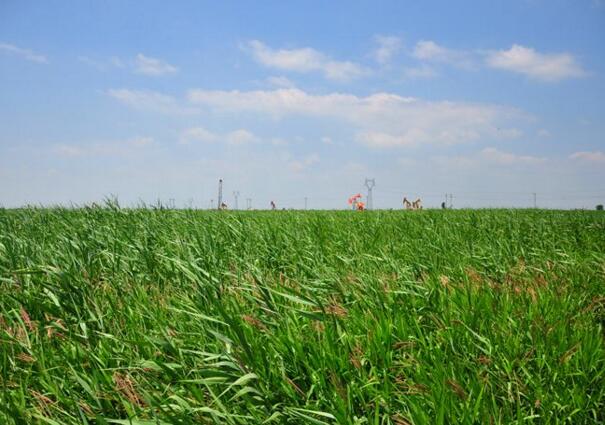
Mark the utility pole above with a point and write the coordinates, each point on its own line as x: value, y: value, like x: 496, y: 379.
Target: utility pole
x: 220, y: 194
x: 451, y: 200
x: 370, y: 183
x: 248, y: 203
x: 535, y: 201
x: 306, y: 202
x: 236, y: 195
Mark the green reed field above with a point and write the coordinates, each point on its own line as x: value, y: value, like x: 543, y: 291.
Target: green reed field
x: 118, y: 316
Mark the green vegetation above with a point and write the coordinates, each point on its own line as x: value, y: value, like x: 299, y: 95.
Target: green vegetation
x: 120, y: 316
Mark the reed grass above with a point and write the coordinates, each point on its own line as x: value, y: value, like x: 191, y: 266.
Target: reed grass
x: 143, y: 316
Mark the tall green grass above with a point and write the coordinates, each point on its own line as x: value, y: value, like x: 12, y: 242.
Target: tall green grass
x: 117, y: 316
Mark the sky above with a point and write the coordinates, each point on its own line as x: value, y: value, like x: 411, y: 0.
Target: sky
x: 154, y: 101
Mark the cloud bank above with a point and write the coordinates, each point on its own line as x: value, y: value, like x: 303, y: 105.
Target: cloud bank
x: 304, y: 60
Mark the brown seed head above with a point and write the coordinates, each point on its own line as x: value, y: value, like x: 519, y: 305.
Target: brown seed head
x: 251, y: 320
x: 484, y: 360
x: 26, y: 319
x: 457, y: 388
x: 398, y: 419
x: 26, y: 358
x: 125, y: 386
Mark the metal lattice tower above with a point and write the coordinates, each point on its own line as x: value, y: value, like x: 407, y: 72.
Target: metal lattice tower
x: 220, y: 194
x: 370, y: 183
x: 236, y: 195
x: 248, y: 203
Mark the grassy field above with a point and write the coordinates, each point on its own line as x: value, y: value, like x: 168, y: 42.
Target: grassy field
x: 385, y: 317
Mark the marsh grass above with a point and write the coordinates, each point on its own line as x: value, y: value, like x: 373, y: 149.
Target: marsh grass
x: 112, y: 315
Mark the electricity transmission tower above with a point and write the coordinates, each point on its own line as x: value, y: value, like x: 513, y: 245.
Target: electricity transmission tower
x: 248, y: 203
x: 535, y: 200
x: 236, y: 195
x: 370, y: 183
x: 220, y: 194
x: 306, y: 202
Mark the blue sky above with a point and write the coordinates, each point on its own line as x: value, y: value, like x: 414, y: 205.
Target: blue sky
x: 489, y: 101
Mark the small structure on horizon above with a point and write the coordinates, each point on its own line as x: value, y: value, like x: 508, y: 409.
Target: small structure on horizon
x: 415, y: 205
x: 356, y: 203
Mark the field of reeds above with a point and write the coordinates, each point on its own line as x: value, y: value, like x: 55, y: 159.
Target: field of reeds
x: 118, y: 316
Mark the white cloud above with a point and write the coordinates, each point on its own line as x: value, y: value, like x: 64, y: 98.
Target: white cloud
x: 197, y: 134
x: 280, y: 81
x: 200, y: 134
x: 240, y: 137
x: 69, y: 150
x: 428, y: 50
x: 596, y: 156
x: 24, y: 53
x: 423, y: 71
x: 381, y: 119
x: 104, y: 148
x: 103, y: 64
x: 92, y: 62
x: 141, y: 64
x: 541, y: 66
x: 304, y: 163
x: 149, y: 100
x: 543, y: 133
x: 507, y: 133
x: 117, y: 62
x: 327, y: 140
x: 487, y: 157
x: 499, y: 157
x: 140, y: 142
x: 519, y: 59
x: 406, y: 162
x: 152, y: 66
x: 304, y: 60
x: 388, y: 46
x: 384, y: 140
